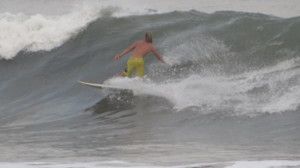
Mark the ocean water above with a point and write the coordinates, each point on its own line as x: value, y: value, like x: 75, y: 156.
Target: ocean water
x: 228, y: 97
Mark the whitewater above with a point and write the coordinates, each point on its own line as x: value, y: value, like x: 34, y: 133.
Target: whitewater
x: 229, y: 95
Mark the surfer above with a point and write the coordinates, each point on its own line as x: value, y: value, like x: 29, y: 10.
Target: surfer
x: 139, y: 50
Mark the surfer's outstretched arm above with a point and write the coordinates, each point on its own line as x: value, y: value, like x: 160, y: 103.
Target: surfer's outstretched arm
x: 157, y: 55
x: 126, y: 51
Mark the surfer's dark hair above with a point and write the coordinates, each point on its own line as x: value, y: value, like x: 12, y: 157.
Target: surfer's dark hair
x: 148, y: 37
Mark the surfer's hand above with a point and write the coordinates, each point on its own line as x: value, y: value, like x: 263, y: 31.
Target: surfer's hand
x: 162, y: 61
x: 117, y: 57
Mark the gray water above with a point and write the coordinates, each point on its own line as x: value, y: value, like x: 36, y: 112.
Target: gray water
x: 230, y: 93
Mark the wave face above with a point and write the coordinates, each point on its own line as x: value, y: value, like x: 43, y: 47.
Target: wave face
x: 230, y: 91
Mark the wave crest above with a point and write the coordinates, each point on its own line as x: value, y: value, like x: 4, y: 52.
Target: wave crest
x: 38, y: 32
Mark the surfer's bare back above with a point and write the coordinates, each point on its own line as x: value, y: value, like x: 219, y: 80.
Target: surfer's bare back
x: 139, y: 50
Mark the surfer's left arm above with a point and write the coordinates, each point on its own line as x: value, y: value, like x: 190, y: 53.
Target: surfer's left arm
x: 157, y: 55
x: 126, y: 51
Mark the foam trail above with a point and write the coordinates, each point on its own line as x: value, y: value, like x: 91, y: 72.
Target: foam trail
x: 260, y: 91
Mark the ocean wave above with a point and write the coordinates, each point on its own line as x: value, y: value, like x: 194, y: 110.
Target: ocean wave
x: 222, y: 68
x: 215, y: 60
x: 41, y: 32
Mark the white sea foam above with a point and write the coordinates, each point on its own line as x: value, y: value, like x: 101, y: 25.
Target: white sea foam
x: 193, y: 46
x: 104, y: 164
x: 265, y: 164
x: 100, y: 164
x: 39, y: 32
x: 119, y: 164
x: 265, y: 91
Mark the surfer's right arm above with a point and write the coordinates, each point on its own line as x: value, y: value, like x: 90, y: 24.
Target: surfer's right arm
x: 126, y: 51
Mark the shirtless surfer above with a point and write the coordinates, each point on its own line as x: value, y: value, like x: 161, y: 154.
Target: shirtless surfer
x: 139, y: 50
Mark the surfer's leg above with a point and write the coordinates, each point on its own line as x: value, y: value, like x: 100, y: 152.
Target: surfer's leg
x: 140, y: 69
x: 130, y: 67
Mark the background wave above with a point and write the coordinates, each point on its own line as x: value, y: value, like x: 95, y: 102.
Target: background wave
x: 222, y: 68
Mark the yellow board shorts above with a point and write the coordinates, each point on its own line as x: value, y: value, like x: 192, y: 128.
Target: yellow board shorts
x: 136, y: 65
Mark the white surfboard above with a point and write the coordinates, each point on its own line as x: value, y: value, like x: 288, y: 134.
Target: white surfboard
x: 101, y: 86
